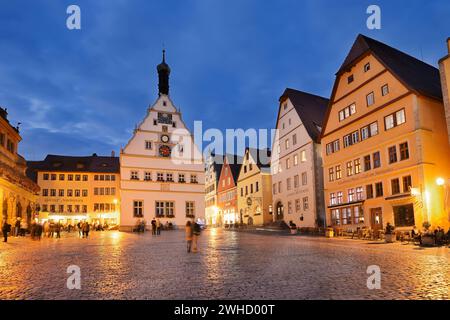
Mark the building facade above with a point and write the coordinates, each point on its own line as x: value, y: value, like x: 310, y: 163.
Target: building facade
x: 77, y: 189
x: 297, y: 178
x: 162, y: 171
x: 444, y: 68
x: 384, y: 141
x: 212, y: 174
x: 227, y: 201
x: 18, y: 193
x: 254, y: 188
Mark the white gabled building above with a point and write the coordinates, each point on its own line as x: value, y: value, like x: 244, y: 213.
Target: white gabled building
x: 296, y: 163
x: 162, y: 171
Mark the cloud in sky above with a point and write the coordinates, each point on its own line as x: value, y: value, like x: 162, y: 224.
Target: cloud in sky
x: 80, y: 92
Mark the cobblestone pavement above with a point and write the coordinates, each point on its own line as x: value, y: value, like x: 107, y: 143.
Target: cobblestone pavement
x: 230, y: 265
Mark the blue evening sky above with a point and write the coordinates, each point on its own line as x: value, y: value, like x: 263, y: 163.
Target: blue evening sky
x: 82, y: 91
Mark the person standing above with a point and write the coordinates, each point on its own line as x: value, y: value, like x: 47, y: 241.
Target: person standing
x: 158, y: 227
x: 153, y: 227
x: 39, y: 229
x: 189, y: 233
x: 196, y: 234
x: 6, y: 228
x: 17, y: 228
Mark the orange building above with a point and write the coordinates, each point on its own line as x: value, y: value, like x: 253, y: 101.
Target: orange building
x: 227, y: 200
x: 384, y: 141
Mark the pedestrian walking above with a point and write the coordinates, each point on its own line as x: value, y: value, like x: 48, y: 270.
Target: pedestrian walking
x: 46, y: 228
x: 189, y: 234
x: 86, y: 229
x: 6, y: 228
x: 17, y: 227
x: 33, y: 230
x: 80, y: 229
x: 158, y: 227
x: 24, y: 228
x: 52, y: 229
x: 196, y: 234
x: 58, y: 230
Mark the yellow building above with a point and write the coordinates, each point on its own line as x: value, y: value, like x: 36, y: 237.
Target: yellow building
x: 384, y: 141
x: 254, y: 188
x: 444, y: 67
x: 78, y: 188
x: 17, y: 192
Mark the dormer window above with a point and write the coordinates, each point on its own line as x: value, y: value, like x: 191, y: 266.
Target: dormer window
x: 350, y: 79
x: 148, y: 145
x: 80, y: 165
x: 57, y: 164
x: 367, y: 67
x: 164, y: 103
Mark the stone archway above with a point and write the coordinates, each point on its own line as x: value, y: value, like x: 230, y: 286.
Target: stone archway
x: 279, y: 211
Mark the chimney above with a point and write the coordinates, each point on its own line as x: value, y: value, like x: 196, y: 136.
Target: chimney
x: 113, y: 154
x: 448, y: 45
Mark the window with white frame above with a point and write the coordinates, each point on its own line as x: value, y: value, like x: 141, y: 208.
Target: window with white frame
x: 295, y: 159
x: 190, y: 209
x: 148, y: 145
x: 370, y: 98
x: 303, y: 156
x: 134, y: 175
x: 385, y: 90
x: 148, y: 176
x: 138, y: 208
x: 394, y: 119
x: 305, y: 203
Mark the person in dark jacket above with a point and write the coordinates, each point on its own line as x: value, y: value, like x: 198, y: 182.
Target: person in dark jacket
x: 6, y: 228
x: 86, y: 229
x: 154, y: 227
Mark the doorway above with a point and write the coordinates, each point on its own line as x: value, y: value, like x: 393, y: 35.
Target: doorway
x: 376, y: 219
x: 279, y: 211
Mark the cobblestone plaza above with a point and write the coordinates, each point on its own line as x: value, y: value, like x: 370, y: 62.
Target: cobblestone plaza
x: 230, y: 265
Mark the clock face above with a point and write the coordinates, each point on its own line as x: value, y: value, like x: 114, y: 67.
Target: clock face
x: 164, y: 151
x: 165, y: 138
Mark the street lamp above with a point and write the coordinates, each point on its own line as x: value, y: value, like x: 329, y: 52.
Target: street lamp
x: 440, y: 181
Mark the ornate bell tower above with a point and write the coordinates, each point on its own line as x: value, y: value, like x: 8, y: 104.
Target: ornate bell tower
x: 163, y: 76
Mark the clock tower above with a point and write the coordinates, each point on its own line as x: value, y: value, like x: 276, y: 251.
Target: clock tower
x: 162, y: 172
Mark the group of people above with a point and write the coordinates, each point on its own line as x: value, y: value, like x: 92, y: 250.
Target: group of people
x: 83, y: 229
x: 49, y: 229
x: 439, y: 235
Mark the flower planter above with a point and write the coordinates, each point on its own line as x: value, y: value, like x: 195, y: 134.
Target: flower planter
x: 329, y: 233
x: 427, y: 241
x: 389, y: 238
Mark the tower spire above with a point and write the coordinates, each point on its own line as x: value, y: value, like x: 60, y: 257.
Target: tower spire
x: 163, y: 75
